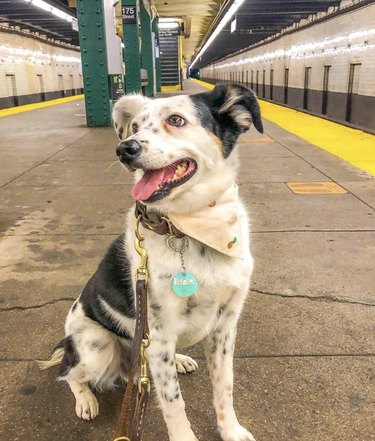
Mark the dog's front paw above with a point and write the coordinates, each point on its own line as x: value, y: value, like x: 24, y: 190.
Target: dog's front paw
x: 87, y: 406
x: 185, y: 364
x: 237, y: 434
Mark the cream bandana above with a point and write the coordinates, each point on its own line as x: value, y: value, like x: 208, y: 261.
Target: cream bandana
x: 217, y: 225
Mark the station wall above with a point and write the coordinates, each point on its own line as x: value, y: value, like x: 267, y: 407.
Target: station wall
x: 325, y: 66
x: 32, y: 70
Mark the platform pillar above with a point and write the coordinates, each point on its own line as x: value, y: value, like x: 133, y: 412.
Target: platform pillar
x: 92, y: 41
x: 147, y: 53
x: 132, y: 58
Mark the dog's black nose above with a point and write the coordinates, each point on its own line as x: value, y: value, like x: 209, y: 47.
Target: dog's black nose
x: 129, y: 150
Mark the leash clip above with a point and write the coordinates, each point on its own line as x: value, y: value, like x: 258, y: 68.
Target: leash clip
x: 142, y: 273
x: 144, y: 380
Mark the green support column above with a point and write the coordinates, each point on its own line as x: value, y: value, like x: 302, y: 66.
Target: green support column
x: 94, y: 62
x: 146, y: 51
x: 131, y: 42
x: 155, y: 30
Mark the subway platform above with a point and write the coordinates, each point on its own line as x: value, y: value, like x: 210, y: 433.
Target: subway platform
x: 304, y: 360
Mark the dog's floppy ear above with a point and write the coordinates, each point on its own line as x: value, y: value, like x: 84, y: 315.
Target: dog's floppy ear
x: 125, y: 109
x: 233, y: 108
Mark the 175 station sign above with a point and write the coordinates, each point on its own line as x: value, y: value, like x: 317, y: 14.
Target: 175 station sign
x: 129, y: 14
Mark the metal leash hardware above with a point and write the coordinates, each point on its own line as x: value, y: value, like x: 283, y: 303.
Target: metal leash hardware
x: 171, y: 242
x: 132, y: 430
x: 142, y: 274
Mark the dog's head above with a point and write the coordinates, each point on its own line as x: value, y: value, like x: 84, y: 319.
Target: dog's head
x: 181, y: 147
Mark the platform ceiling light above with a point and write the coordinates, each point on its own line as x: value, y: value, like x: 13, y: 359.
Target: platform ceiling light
x: 168, y: 25
x: 168, y: 20
x: 229, y: 14
x: 54, y: 11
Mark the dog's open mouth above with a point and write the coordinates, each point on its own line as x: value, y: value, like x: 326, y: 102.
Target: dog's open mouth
x: 157, y: 184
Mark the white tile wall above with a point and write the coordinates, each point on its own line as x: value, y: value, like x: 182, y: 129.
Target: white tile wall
x: 26, y: 57
x: 340, y: 41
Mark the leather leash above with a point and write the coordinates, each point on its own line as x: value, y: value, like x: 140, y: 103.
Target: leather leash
x: 130, y: 423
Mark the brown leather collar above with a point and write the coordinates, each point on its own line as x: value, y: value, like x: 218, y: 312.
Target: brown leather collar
x: 155, y: 222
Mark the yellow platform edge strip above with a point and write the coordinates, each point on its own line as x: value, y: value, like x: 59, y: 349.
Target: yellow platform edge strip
x: 35, y: 106
x: 170, y: 88
x: 351, y: 145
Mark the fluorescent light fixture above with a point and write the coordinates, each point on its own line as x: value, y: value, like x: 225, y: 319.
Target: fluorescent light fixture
x: 231, y: 11
x: 168, y: 20
x: 49, y: 8
x: 169, y: 25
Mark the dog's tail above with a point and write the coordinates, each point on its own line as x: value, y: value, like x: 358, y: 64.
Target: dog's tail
x: 55, y: 358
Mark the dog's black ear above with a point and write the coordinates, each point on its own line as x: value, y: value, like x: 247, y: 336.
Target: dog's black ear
x: 233, y: 108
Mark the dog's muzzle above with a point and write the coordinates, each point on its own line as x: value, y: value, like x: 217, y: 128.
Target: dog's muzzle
x: 128, y: 152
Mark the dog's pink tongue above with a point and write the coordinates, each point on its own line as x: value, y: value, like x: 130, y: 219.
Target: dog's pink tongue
x: 149, y: 183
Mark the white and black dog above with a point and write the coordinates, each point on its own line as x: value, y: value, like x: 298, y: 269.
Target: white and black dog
x: 182, y: 151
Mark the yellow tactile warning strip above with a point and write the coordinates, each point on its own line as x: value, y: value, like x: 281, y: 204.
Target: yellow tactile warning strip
x: 170, y: 88
x: 354, y: 146
x: 27, y: 107
x: 311, y: 188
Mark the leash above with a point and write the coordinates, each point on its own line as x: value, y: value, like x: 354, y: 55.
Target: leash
x: 130, y: 423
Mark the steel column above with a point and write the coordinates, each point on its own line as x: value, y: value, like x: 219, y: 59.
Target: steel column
x: 94, y: 62
x: 146, y: 50
x: 131, y: 51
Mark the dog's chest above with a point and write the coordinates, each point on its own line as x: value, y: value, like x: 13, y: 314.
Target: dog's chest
x: 218, y: 276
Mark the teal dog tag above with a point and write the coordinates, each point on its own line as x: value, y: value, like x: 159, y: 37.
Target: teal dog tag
x: 184, y: 284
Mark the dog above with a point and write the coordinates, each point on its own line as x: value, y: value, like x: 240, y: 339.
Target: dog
x: 182, y: 152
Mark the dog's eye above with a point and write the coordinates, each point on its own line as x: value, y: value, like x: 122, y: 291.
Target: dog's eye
x: 176, y: 121
x: 135, y: 127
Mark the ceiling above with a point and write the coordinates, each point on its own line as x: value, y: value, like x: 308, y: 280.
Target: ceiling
x: 30, y: 17
x: 202, y: 13
x: 257, y: 20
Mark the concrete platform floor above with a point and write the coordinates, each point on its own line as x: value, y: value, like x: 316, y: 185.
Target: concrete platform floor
x: 304, y: 365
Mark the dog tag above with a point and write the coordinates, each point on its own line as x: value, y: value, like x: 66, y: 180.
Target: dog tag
x: 184, y: 284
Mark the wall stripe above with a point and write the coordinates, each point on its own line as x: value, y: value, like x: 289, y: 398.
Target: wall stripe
x: 35, y: 106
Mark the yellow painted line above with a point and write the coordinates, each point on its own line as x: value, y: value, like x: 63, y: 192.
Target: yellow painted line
x: 204, y: 84
x: 311, y: 188
x: 35, y: 106
x: 171, y: 88
x: 352, y: 145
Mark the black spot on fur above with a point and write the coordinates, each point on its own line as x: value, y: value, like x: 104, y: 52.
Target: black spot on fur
x: 71, y: 357
x: 165, y: 357
x: 155, y: 130
x: 190, y: 305
x: 222, y: 123
x: 202, y: 250
x: 96, y: 344
x: 177, y: 396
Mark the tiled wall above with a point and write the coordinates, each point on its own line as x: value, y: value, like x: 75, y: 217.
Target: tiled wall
x: 345, y: 39
x: 32, y: 70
